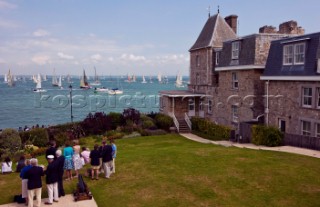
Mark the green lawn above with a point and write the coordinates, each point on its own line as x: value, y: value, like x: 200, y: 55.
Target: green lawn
x: 173, y: 171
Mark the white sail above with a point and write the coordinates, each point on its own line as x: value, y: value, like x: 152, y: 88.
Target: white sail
x: 159, y: 78
x: 179, y: 81
x: 5, y: 78
x: 10, y: 79
x: 38, y: 86
x: 143, y: 79
x: 96, y: 78
x: 60, y: 82
x: 54, y: 78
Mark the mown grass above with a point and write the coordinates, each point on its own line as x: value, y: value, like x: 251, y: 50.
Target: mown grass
x: 172, y: 171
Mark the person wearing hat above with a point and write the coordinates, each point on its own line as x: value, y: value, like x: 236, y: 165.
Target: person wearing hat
x: 52, y: 180
x: 34, y: 182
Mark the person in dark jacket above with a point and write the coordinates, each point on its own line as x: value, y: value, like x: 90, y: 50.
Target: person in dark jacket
x: 52, y: 180
x: 21, y: 163
x: 52, y: 149
x: 60, y: 164
x: 34, y: 182
x: 107, y: 160
x: 95, y: 162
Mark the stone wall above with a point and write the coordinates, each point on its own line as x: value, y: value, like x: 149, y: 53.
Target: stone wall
x: 201, y: 74
x: 248, y: 97
x: 288, y: 105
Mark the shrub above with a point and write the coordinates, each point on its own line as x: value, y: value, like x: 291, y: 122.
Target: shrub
x: 10, y: 141
x: 115, y: 119
x: 130, y: 115
x: 37, y: 136
x: 96, y: 124
x: 147, y: 122
x: 205, y: 128
x: 39, y: 152
x: 61, y: 138
x: 163, y: 121
x: 265, y: 135
x: 114, y: 135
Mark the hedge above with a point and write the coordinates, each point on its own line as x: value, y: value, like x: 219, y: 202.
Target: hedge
x: 38, y: 137
x: 265, y: 135
x: 206, y: 129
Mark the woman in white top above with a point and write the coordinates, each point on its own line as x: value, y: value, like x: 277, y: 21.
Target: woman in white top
x: 6, y: 166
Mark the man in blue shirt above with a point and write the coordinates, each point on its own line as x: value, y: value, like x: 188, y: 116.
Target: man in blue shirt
x: 114, y: 154
x: 24, y: 181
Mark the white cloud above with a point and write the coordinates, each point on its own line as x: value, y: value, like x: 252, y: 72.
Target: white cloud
x: 41, y: 33
x: 7, y: 5
x: 96, y: 57
x: 110, y: 59
x: 8, y: 24
x: 64, y: 56
x: 131, y: 57
x: 41, y: 59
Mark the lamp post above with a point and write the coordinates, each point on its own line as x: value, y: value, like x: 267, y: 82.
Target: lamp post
x: 71, y: 115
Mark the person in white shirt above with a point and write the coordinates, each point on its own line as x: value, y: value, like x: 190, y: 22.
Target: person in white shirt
x: 6, y: 166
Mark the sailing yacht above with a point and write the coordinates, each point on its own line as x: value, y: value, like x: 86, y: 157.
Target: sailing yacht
x: 5, y: 79
x: 143, y: 79
x: 10, y: 79
x: 96, y: 79
x: 115, y: 91
x: 38, y: 88
x: 179, y: 82
x: 84, y: 81
x: 54, y: 79
x: 159, y: 77
x: 60, y: 82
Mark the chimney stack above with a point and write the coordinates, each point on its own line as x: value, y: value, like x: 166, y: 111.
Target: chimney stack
x: 232, y: 22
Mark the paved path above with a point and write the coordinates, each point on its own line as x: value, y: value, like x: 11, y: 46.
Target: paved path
x: 289, y: 149
x: 66, y: 201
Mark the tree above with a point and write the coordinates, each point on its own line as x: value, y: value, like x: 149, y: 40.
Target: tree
x: 10, y: 141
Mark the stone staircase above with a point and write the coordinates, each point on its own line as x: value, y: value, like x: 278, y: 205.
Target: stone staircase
x: 183, y: 126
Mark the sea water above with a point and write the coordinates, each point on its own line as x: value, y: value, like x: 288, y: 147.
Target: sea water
x: 20, y: 106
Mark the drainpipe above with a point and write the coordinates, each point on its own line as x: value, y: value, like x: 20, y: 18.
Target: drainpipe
x: 207, y: 67
x: 267, y: 105
x: 173, y: 105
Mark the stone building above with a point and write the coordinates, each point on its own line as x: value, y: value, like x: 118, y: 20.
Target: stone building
x: 203, y: 77
x: 240, y: 95
x: 292, y: 77
x: 229, y: 83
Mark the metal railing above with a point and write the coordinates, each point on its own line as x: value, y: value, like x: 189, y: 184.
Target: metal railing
x: 175, y: 120
x: 188, y: 121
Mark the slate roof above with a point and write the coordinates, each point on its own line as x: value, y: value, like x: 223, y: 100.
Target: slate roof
x: 214, y: 33
x: 274, y: 66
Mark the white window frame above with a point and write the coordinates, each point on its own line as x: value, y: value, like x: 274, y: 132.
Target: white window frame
x: 235, y: 80
x: 210, y: 106
x: 235, y: 113
x: 294, y: 54
x: 197, y: 60
x: 235, y: 50
x: 217, y: 58
x: 318, y: 97
x: 299, y: 52
x: 288, y: 55
x: 191, y: 104
x: 306, y: 96
x: 317, y: 130
x: 305, y: 128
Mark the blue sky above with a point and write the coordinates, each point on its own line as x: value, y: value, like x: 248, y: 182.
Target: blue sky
x: 125, y: 36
